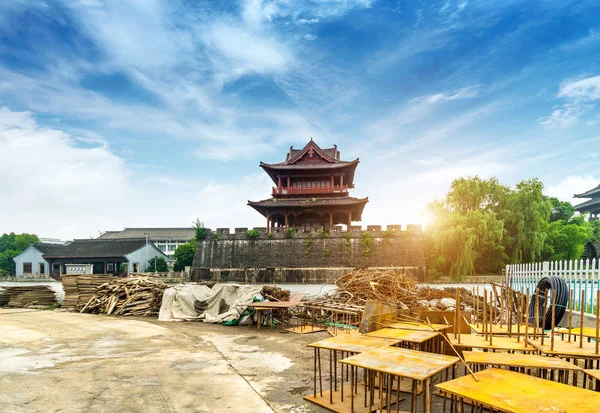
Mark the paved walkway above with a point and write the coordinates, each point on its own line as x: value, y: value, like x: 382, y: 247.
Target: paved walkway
x: 64, y: 362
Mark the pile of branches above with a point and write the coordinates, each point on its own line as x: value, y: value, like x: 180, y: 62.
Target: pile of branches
x: 387, y: 286
x: 139, y: 296
x: 273, y: 293
x: 391, y: 287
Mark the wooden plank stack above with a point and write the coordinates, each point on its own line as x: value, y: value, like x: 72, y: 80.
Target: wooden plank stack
x: 31, y: 295
x: 4, y: 297
x: 80, y: 288
x: 139, y: 296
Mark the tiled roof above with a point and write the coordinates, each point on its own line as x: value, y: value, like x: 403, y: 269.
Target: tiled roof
x: 96, y: 248
x: 306, y: 165
x: 588, y: 205
x: 183, y: 234
x: 308, y: 202
x: 589, y: 194
x: 47, y: 248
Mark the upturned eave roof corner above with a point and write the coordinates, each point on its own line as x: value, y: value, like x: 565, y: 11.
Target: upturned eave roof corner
x: 588, y: 194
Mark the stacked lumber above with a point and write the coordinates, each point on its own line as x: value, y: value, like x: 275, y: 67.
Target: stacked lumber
x: 4, y: 297
x: 71, y: 299
x: 39, y: 295
x: 139, y: 296
x: 79, y: 288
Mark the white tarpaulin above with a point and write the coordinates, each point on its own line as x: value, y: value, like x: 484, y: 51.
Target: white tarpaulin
x: 223, y: 302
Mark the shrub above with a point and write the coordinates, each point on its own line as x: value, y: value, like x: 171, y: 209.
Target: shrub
x: 253, y: 233
x: 366, y: 243
x: 308, y: 244
x: 289, y: 232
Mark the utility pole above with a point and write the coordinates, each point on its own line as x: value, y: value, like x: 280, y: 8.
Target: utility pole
x: 147, y: 235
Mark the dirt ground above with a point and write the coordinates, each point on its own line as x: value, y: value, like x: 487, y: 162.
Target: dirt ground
x: 52, y: 361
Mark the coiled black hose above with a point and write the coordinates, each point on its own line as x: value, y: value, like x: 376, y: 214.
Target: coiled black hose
x: 557, y: 286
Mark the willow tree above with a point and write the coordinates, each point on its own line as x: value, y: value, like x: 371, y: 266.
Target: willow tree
x: 526, y: 217
x: 466, y: 235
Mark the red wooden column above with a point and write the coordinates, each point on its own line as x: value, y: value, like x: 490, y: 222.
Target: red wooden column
x: 341, y: 182
x: 330, y: 220
x: 331, y: 187
x: 288, y: 184
x: 349, y: 219
x: 268, y: 222
x: 287, y: 222
x: 279, y: 184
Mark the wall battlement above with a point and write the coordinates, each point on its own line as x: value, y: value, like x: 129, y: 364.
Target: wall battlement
x: 336, y: 232
x: 222, y: 250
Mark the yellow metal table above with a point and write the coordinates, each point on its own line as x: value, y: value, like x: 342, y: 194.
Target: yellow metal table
x: 346, y: 345
x: 510, y: 392
x: 392, y: 364
x: 470, y: 341
x: 544, y: 366
x: 413, y: 339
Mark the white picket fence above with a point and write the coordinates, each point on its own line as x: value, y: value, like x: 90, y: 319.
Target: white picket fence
x: 580, y: 275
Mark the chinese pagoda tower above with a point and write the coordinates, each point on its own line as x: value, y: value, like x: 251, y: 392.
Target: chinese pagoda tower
x: 592, y: 205
x: 312, y: 190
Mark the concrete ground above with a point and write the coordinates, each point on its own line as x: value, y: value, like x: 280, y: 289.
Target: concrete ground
x: 52, y: 361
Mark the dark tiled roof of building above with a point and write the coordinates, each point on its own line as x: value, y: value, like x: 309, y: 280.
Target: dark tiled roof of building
x: 588, y: 205
x: 590, y: 193
x: 316, y: 165
x: 183, y: 234
x: 308, y: 202
x: 47, y: 248
x: 97, y: 248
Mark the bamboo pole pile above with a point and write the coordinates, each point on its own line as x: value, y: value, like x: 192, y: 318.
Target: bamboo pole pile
x: 138, y: 296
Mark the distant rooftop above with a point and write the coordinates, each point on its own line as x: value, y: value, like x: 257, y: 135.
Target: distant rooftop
x: 183, y: 234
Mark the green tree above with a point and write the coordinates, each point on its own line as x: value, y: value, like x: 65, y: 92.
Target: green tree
x: 200, y: 230
x: 161, y: 265
x: 12, y: 245
x: 184, y: 255
x: 465, y: 237
x: 566, y: 241
x: 526, y: 216
x: 561, y: 210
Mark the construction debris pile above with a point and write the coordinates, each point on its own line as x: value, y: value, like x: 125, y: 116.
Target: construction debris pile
x: 274, y: 293
x: 139, y: 296
x: 357, y: 287
x: 80, y: 288
x: 31, y: 295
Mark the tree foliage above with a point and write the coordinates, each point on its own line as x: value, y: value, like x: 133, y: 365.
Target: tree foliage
x: 200, y: 230
x: 482, y: 225
x: 12, y: 245
x: 184, y: 255
x: 161, y: 265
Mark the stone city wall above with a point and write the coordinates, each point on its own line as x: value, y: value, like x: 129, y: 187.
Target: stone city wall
x: 306, y: 257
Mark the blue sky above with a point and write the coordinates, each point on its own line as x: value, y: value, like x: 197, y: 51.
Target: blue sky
x: 151, y: 113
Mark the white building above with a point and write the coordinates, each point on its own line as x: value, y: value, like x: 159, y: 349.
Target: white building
x: 166, y: 239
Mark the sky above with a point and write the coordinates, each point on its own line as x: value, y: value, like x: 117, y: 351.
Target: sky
x: 147, y: 113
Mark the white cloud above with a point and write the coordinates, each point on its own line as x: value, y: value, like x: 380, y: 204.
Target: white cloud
x: 309, y: 21
x: 310, y: 37
x: 592, y: 37
x: 573, y: 184
x: 579, y: 95
x: 54, y: 188
x: 587, y: 88
x: 242, y: 51
x: 51, y: 185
